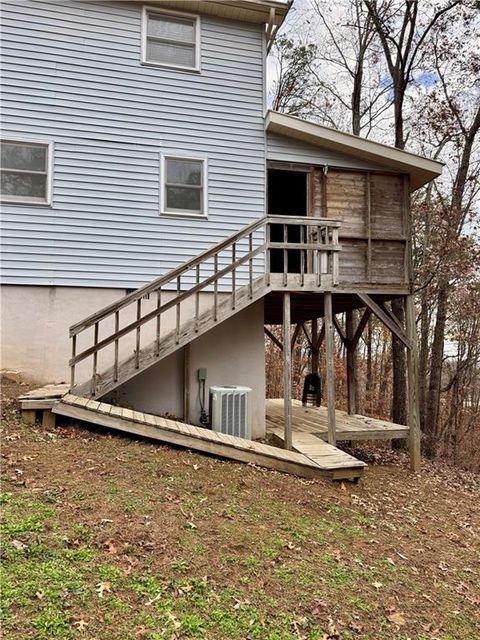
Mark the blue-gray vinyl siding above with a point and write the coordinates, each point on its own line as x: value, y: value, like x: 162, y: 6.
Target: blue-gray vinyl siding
x: 72, y: 75
x: 285, y: 149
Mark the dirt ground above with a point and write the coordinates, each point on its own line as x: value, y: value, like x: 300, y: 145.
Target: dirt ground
x: 106, y: 537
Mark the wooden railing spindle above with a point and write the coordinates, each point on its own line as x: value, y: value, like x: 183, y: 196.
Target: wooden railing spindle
x: 115, y: 362
x: 335, y: 265
x: 197, y: 298
x: 177, y: 321
x: 234, y: 274
x: 303, y: 256
x: 268, y: 256
x: 72, y: 367
x: 250, y: 264
x: 95, y: 360
x: 285, y: 255
x: 137, y: 342
x: 158, y: 327
x: 215, y: 287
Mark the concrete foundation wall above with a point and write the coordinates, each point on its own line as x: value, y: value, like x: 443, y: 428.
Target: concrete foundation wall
x: 35, y: 341
x: 233, y: 353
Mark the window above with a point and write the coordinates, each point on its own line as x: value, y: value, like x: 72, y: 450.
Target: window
x: 25, y: 172
x: 183, y: 189
x: 171, y: 39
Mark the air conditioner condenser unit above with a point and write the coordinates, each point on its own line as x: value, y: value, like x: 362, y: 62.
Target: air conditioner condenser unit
x: 230, y: 410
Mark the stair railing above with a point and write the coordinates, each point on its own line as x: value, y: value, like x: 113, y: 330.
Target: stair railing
x: 221, y: 270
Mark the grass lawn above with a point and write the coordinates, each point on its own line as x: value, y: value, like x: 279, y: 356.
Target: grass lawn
x: 105, y: 537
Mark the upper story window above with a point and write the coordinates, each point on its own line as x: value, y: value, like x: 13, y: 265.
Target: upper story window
x: 171, y: 39
x: 25, y: 172
x: 183, y: 186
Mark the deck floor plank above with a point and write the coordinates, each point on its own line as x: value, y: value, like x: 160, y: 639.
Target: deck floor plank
x: 310, y: 420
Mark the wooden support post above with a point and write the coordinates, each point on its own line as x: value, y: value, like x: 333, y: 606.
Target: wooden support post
x: 186, y: 383
x: 351, y: 380
x: 330, y: 366
x: 29, y: 415
x: 412, y: 381
x: 287, y: 373
x: 314, y: 346
x: 48, y: 419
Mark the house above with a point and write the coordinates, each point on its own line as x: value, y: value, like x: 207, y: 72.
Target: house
x: 156, y: 215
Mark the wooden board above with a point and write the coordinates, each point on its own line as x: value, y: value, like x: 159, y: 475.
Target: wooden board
x: 204, y: 440
x: 348, y: 427
x: 43, y: 397
x: 325, y: 455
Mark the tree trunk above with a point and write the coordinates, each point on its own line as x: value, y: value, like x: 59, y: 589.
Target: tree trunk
x: 399, y: 363
x: 423, y: 359
x: 436, y: 361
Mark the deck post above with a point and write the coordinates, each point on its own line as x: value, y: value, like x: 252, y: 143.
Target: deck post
x: 315, y: 346
x: 186, y: 383
x: 412, y: 383
x: 351, y: 380
x: 330, y: 366
x: 287, y: 373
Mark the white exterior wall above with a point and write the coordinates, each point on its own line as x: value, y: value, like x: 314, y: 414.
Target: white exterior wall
x: 285, y: 149
x: 71, y: 74
x: 35, y: 321
x: 233, y: 354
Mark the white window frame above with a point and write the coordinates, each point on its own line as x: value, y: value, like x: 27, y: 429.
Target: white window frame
x: 48, y: 144
x: 163, y: 184
x: 154, y: 63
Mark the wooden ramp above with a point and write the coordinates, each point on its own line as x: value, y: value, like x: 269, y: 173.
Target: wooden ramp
x: 314, y: 420
x: 320, y: 452
x: 205, y: 440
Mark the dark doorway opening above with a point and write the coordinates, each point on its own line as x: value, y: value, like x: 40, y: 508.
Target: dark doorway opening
x: 287, y: 196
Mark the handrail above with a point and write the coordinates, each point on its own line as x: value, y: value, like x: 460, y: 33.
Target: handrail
x: 161, y: 280
x: 165, y: 307
x: 318, y: 250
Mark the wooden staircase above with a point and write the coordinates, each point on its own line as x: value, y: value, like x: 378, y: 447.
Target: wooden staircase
x: 235, y: 273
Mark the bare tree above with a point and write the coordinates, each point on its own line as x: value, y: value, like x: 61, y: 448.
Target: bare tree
x: 402, y: 36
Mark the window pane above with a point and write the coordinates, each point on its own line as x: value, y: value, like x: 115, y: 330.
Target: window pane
x: 29, y: 185
x: 184, y: 199
x: 177, y: 54
x: 22, y: 156
x: 171, y: 28
x: 184, y: 172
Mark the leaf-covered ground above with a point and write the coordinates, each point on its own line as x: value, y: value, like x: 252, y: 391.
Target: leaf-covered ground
x: 109, y: 538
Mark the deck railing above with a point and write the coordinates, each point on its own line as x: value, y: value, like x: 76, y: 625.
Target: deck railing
x: 275, y: 248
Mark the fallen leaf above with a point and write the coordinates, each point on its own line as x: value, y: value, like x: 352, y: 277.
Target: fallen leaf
x: 18, y: 544
x: 103, y: 587
x: 377, y: 585
x: 81, y: 624
x: 110, y: 548
x: 396, y: 618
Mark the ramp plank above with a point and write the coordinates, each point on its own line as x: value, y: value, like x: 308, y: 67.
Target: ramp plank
x: 204, y: 440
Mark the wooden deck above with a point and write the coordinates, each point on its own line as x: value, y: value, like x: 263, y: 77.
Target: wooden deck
x: 314, y: 420
x: 325, y: 465
x: 44, y: 397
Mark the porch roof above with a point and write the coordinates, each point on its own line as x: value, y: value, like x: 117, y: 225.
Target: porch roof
x: 421, y: 170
